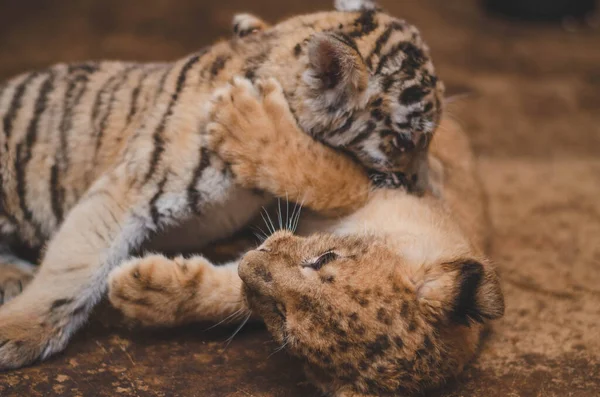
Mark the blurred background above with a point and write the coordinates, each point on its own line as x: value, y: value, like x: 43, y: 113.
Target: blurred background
x: 474, y: 50
x: 523, y: 78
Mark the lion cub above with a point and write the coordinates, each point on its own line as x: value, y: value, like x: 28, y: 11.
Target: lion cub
x: 387, y: 300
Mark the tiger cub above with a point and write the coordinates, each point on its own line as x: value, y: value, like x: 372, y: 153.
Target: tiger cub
x: 386, y: 301
x: 97, y: 159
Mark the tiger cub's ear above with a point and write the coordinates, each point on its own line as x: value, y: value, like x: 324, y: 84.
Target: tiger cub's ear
x: 246, y: 24
x: 336, y: 64
x: 355, y: 5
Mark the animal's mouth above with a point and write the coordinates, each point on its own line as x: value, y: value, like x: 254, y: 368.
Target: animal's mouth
x: 391, y: 179
x: 268, y: 308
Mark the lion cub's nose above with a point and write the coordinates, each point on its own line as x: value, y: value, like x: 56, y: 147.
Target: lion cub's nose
x: 253, y: 269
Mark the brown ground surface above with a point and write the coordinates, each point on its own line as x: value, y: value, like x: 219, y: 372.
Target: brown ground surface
x: 534, y: 115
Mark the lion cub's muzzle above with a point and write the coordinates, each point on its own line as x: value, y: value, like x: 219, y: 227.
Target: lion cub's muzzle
x: 254, y: 271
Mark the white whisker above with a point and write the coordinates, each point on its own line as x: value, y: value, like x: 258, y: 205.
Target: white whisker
x: 291, y: 226
x: 280, y: 348
x: 458, y: 97
x: 297, y: 220
x: 238, y: 329
x: 228, y: 318
x: 270, y: 221
x: 260, y: 234
x: 279, y: 213
x: 287, y: 212
x: 264, y: 215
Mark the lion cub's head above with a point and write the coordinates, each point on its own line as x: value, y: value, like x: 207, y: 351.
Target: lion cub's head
x: 363, y: 322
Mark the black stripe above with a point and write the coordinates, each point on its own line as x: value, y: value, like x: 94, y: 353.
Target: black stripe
x: 379, y: 43
x: 76, y: 88
x: 414, y: 58
x: 219, y: 64
x: 343, y: 128
x: 120, y: 80
x: 255, y: 62
x: 15, y: 106
x: 60, y: 303
x: 363, y: 134
x: 412, y: 95
x: 3, y: 88
x: 153, y: 210
x: 3, y: 210
x: 107, y: 88
x: 161, y: 84
x: 392, y: 53
x: 71, y: 100
x: 383, y: 39
x: 24, y: 149
x: 297, y: 50
x: 87, y: 67
x: 193, y: 196
x: 98, y: 101
x: 365, y: 24
x: 135, y: 94
x: 66, y: 122
x: 56, y: 194
x: 158, y: 133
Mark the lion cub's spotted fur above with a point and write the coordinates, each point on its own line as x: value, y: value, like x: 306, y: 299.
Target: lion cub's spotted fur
x: 98, y: 158
x: 388, y: 300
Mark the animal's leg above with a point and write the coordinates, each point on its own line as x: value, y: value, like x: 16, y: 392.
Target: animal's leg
x: 246, y: 24
x: 157, y: 291
x: 254, y: 130
x: 15, y: 274
x: 99, y: 232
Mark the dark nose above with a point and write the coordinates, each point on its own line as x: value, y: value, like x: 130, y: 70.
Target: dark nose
x: 253, y: 269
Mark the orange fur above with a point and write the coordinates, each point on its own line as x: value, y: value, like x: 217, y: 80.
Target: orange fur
x: 400, y: 302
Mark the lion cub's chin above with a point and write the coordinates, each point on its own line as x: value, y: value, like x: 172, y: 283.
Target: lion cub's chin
x: 389, y: 300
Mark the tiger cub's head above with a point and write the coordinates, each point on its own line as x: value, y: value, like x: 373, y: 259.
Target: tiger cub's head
x: 371, y: 89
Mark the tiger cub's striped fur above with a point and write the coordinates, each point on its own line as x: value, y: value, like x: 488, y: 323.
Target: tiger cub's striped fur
x: 97, y: 158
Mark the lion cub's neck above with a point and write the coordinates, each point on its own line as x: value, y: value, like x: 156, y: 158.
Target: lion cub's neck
x: 420, y: 230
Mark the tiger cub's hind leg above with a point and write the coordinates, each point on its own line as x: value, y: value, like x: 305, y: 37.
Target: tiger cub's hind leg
x: 15, y: 274
x: 246, y: 24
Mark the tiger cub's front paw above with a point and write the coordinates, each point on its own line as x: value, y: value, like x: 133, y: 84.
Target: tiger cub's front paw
x: 13, y: 280
x: 156, y: 291
x: 249, y: 127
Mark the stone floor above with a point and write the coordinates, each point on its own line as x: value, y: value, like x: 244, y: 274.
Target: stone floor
x: 532, y: 106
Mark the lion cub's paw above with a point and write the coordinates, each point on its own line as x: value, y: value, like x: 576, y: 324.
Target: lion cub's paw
x: 154, y: 290
x: 13, y: 280
x: 248, y: 126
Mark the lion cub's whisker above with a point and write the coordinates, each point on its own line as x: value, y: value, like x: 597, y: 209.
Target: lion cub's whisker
x: 231, y: 317
x: 268, y: 222
x: 280, y: 348
x: 238, y: 329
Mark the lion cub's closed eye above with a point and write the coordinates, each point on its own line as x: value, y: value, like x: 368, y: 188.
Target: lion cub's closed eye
x: 320, y: 261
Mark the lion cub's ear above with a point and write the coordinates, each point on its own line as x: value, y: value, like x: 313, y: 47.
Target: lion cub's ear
x: 336, y: 63
x: 465, y: 291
